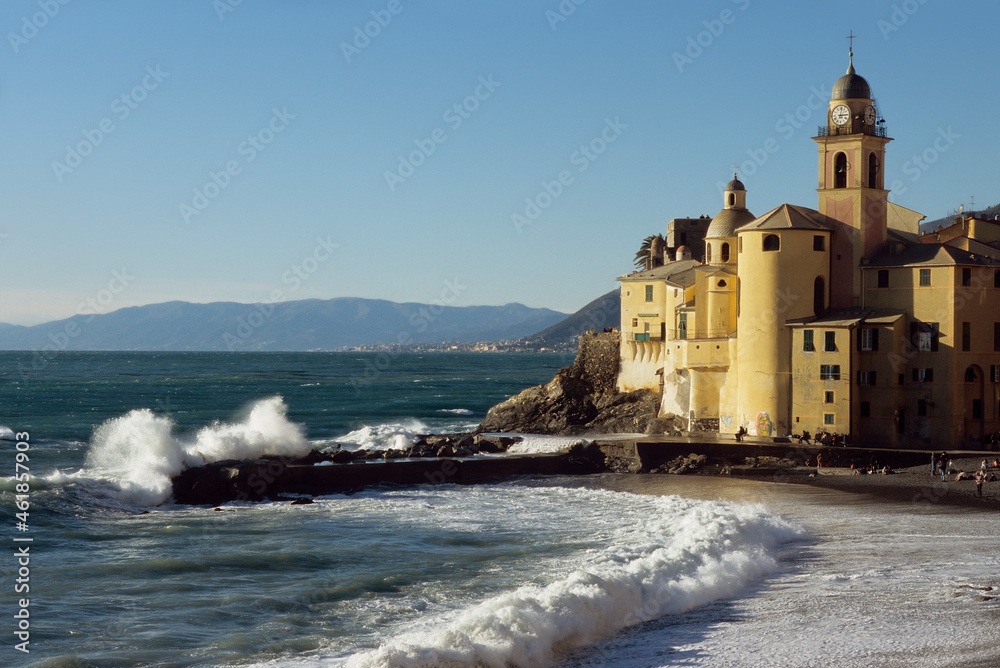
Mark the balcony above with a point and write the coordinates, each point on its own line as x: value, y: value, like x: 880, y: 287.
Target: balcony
x: 855, y: 128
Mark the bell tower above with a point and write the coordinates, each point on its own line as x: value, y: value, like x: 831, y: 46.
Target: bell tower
x: 852, y: 182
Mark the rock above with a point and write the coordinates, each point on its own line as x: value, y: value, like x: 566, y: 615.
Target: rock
x: 494, y: 444
x: 582, y: 398
x: 563, y: 406
x: 342, y: 457
x: 680, y: 465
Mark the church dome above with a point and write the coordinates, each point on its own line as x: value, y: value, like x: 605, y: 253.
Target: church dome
x: 724, y: 225
x: 735, y: 184
x: 851, y: 86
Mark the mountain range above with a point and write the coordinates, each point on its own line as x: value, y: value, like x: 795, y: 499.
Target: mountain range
x: 311, y: 324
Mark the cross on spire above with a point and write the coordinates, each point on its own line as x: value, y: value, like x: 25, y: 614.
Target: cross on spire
x: 852, y: 37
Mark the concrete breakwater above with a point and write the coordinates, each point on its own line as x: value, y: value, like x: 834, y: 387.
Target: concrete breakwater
x: 278, y: 478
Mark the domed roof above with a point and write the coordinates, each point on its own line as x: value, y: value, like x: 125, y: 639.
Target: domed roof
x: 735, y: 184
x: 726, y: 221
x: 851, y: 86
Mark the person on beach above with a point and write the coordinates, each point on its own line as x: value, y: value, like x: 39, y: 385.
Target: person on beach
x: 980, y: 478
x: 985, y: 465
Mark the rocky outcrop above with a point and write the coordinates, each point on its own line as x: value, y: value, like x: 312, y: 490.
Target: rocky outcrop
x: 582, y: 399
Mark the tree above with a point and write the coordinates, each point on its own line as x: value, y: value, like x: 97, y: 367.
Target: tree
x: 642, y: 256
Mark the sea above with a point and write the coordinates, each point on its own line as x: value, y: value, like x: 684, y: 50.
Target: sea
x: 100, y: 568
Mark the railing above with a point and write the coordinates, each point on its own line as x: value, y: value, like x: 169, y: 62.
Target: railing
x: 690, y: 334
x: 848, y: 129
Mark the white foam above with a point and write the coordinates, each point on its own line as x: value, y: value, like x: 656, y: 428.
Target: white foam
x: 6, y: 433
x: 396, y: 435
x: 683, y: 556
x: 137, y: 454
x: 456, y: 411
x: 536, y: 445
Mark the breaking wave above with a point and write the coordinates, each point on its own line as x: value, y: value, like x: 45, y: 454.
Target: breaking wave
x: 134, y: 457
x: 685, y: 555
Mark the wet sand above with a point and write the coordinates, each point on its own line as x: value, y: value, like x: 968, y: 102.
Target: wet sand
x: 915, y: 484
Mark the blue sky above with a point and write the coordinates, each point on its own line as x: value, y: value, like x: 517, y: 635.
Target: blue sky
x: 208, y: 150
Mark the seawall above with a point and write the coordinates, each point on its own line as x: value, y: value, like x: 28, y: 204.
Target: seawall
x: 276, y: 478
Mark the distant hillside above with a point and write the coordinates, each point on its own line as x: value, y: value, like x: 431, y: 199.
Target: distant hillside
x: 603, y: 312
x: 288, y: 326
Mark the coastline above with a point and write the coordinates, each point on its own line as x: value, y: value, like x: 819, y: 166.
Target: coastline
x: 915, y: 484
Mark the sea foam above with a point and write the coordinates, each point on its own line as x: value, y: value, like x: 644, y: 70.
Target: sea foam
x: 137, y: 454
x: 685, y: 555
x: 396, y: 435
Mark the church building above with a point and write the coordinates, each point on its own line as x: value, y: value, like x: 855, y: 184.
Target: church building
x: 843, y: 318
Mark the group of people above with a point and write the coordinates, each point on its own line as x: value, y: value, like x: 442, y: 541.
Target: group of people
x: 823, y: 438
x: 944, y: 466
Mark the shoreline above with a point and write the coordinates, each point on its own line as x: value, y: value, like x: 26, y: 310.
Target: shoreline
x: 915, y: 484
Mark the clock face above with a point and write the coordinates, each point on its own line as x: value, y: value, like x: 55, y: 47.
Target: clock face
x: 841, y: 114
x: 869, y: 115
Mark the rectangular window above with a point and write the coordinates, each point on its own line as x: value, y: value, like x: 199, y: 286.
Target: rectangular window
x: 829, y: 372
x: 868, y: 340
x: 635, y: 322
x: 996, y: 278
x: 866, y: 409
x: 830, y: 341
x: 995, y: 373
x: 996, y: 336
x: 966, y: 277
x: 977, y: 409
x: 924, y: 336
x: 682, y: 326
x: 828, y: 397
x: 807, y: 339
x: 883, y: 278
x: 866, y: 378
x: 921, y: 408
x: 966, y: 336
x: 828, y: 419
x: 925, y: 277
x: 819, y: 242
x: 923, y: 375
x: 649, y: 293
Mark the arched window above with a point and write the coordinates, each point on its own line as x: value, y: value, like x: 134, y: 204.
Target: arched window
x: 725, y: 252
x: 840, y: 171
x: 819, y: 296
x: 708, y: 253
x: 772, y: 242
x: 872, y: 170
x: 732, y: 199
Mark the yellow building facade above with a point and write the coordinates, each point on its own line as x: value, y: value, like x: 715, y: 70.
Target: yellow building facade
x: 841, y: 319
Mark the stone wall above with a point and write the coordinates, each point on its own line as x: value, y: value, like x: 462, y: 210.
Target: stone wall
x: 705, y: 424
x: 597, y: 361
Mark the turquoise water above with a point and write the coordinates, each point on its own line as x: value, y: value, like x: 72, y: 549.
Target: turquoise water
x: 590, y: 571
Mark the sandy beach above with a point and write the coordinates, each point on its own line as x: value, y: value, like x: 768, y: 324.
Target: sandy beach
x: 915, y: 484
